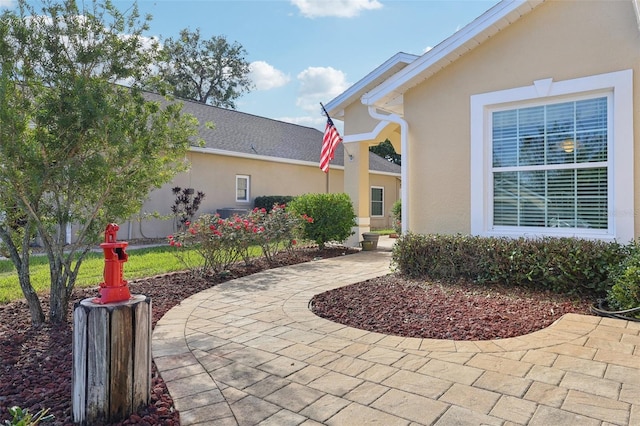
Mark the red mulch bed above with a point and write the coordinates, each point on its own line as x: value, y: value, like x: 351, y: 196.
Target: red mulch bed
x: 35, y: 367
x: 458, y: 311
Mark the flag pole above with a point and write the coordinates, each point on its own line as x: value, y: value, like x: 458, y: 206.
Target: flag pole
x: 326, y: 174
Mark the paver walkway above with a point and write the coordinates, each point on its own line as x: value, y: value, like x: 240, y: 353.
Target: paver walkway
x: 250, y: 352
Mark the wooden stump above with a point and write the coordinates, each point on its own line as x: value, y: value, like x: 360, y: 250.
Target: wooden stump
x: 111, y: 359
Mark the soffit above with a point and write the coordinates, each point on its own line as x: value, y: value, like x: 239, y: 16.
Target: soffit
x: 388, y: 95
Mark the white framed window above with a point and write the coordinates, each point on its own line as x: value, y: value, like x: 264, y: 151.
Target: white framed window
x: 243, y: 189
x: 554, y: 159
x: 377, y: 201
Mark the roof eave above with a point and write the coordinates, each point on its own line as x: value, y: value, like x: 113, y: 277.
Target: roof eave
x: 472, y: 35
x: 391, y: 66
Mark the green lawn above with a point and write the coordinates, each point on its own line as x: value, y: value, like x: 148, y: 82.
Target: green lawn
x: 142, y: 263
x: 383, y: 231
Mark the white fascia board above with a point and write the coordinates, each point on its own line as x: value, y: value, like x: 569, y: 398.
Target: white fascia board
x: 337, y: 104
x: 636, y: 8
x: 445, y: 52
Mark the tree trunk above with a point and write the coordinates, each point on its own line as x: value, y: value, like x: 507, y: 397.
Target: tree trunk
x: 35, y: 308
x: 59, y: 298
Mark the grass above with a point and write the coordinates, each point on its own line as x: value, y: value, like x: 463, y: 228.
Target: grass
x: 143, y: 262
x: 384, y: 231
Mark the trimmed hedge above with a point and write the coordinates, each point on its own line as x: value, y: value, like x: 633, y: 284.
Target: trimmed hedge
x: 267, y: 201
x: 333, y: 217
x: 562, y: 265
x: 625, y: 292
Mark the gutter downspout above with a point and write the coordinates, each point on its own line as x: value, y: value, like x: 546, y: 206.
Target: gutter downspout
x: 404, y: 146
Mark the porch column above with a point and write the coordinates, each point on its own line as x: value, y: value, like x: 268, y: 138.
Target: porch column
x: 356, y: 185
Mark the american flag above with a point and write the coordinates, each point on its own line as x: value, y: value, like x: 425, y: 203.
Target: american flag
x: 330, y: 141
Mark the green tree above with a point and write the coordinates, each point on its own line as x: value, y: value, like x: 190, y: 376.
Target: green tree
x: 213, y: 71
x: 331, y: 217
x: 385, y: 150
x: 75, y: 147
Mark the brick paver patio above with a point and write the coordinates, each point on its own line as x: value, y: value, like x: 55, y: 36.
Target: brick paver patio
x: 250, y: 352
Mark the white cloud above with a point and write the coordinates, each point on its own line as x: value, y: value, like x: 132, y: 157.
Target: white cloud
x: 9, y: 4
x: 307, y: 121
x: 426, y: 49
x: 335, y: 8
x: 317, y: 121
x: 266, y: 77
x: 319, y: 84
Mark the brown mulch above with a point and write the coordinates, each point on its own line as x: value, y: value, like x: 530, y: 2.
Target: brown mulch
x: 458, y: 311
x: 35, y: 364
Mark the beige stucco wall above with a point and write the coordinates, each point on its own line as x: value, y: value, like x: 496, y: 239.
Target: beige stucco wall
x: 559, y: 40
x: 215, y: 176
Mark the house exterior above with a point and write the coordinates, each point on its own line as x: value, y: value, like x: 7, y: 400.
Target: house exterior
x: 244, y: 156
x: 522, y: 123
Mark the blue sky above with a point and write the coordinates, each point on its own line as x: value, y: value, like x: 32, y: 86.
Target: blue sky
x: 308, y: 51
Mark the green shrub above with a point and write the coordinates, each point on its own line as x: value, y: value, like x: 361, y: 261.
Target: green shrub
x: 213, y: 242
x: 268, y: 201
x: 210, y: 244
x: 277, y: 229
x: 625, y: 292
x: 396, y: 212
x: 332, y: 214
x: 561, y: 265
x: 22, y: 417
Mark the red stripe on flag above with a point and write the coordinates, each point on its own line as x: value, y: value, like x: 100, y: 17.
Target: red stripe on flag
x: 330, y: 141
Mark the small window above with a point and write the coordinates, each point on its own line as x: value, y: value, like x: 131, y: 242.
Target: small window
x: 377, y: 201
x: 242, y: 188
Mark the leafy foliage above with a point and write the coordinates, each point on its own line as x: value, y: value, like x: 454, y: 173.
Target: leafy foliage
x: 76, y: 147
x: 219, y: 243
x: 625, y: 292
x: 268, y: 201
x: 213, y: 71
x: 333, y: 217
x: 387, y: 151
x: 186, y: 205
x: 396, y: 212
x: 22, y: 417
x: 279, y: 229
x: 562, y: 265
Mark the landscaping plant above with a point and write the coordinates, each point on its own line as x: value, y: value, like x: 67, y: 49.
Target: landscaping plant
x: 278, y: 229
x: 333, y: 217
x: 76, y: 146
x: 396, y: 212
x: 185, y: 206
x: 625, y: 292
x: 22, y: 417
x: 214, y: 244
x: 561, y: 265
x: 268, y: 201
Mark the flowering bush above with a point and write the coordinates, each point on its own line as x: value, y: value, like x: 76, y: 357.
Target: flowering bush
x: 218, y: 243
x: 279, y: 229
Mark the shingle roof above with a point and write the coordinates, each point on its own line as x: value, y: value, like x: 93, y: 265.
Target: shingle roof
x: 244, y: 133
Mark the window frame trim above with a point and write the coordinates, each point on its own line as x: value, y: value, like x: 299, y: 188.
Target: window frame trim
x: 371, y: 188
x: 619, y: 86
x: 247, y: 178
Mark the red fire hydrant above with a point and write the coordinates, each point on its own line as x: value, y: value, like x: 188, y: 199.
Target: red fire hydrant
x: 114, y: 288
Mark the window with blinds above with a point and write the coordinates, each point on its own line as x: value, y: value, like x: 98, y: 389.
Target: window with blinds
x: 550, y: 165
x: 242, y: 188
